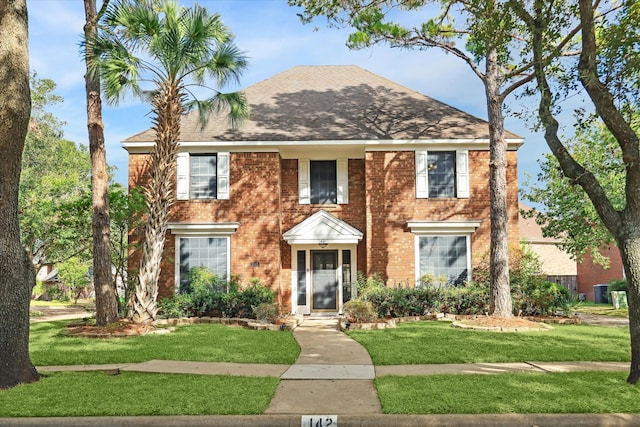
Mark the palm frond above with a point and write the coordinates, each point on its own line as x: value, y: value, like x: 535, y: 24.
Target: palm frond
x: 234, y: 104
x: 227, y: 65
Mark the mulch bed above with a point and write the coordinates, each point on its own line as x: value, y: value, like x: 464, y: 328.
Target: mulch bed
x: 121, y: 328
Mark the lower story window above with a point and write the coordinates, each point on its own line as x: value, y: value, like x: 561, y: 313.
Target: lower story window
x: 211, y: 253
x: 444, y: 258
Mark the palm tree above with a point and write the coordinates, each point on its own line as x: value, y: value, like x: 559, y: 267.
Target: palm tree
x: 172, y: 48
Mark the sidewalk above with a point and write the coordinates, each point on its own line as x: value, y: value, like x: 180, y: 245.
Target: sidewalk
x: 334, y: 375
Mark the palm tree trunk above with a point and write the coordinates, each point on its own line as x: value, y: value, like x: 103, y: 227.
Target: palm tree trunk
x: 159, y: 197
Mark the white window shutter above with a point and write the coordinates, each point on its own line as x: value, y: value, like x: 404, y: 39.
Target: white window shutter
x: 182, y: 176
x: 223, y: 176
x: 462, y: 173
x: 422, y: 186
x: 304, y: 179
x: 342, y: 169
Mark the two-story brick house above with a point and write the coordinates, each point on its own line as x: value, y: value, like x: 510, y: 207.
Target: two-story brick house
x: 337, y: 171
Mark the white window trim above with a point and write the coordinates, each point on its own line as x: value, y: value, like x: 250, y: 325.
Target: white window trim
x: 342, y: 181
x: 442, y: 228
x: 202, y: 230
x: 222, y: 176
x: 462, y: 174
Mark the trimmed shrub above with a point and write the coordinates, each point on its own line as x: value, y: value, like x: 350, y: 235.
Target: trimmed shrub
x: 268, y: 312
x: 540, y: 297
x: 208, y: 294
x: 359, y: 310
x: 471, y: 298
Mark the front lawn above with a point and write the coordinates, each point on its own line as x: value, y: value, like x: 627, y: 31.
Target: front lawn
x: 524, y: 393
x: 70, y: 394
x: 201, y: 343
x: 438, y: 342
x: 603, y: 309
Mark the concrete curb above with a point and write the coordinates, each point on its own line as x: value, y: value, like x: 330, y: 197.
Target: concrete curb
x: 475, y: 420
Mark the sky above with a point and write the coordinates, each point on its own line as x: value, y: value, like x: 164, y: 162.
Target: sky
x: 273, y: 38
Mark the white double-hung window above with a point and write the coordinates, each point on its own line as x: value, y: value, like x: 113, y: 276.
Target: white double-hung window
x: 442, y: 174
x: 202, y: 176
x: 323, y: 181
x: 443, y: 249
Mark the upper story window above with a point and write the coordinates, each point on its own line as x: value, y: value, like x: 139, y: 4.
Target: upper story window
x: 202, y: 176
x: 323, y: 181
x: 324, y: 184
x: 441, y: 174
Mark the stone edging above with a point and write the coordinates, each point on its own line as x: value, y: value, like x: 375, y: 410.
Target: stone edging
x: 541, y: 328
x: 392, y: 323
x: 291, y: 322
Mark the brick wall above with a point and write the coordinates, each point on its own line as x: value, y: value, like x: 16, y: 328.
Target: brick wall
x: 391, y: 202
x: 294, y: 213
x: 264, y: 200
x: 590, y: 273
x: 254, y: 203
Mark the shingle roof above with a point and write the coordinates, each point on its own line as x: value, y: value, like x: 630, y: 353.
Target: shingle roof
x: 530, y: 230
x: 323, y: 103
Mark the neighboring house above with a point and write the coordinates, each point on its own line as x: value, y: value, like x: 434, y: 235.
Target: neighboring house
x: 555, y: 263
x: 338, y: 171
x: 591, y: 274
x: 560, y: 267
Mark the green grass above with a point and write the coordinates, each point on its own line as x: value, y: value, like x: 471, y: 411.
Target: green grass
x: 603, y: 309
x: 438, y: 342
x: 97, y: 394
x: 576, y: 392
x: 201, y: 343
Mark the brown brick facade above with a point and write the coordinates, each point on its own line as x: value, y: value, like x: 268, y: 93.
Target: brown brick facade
x: 264, y: 201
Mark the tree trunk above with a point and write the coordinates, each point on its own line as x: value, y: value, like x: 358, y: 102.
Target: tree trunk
x: 106, y: 303
x: 17, y: 276
x: 629, y: 245
x: 500, y: 303
x: 159, y: 196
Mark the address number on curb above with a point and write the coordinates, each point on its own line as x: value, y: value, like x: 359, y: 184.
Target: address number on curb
x: 319, y: 421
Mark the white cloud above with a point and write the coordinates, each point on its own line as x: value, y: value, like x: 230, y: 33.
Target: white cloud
x: 275, y: 40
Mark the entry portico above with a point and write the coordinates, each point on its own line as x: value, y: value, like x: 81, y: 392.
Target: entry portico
x: 323, y: 254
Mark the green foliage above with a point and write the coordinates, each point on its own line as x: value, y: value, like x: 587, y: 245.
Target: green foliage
x: 531, y: 293
x: 55, y: 220
x: 74, y: 274
x: 179, y: 305
x: 358, y: 310
x: 568, y: 213
x: 471, y: 298
x: 366, y: 284
x: 168, y: 46
x: 268, y: 312
x: 539, y: 297
x: 246, y: 299
x: 617, y: 285
x: 209, y: 294
x: 401, y: 301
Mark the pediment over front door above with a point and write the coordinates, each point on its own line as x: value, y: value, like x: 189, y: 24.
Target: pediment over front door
x: 322, y: 228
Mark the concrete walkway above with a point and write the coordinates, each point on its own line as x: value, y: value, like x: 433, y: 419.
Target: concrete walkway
x: 334, y: 375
